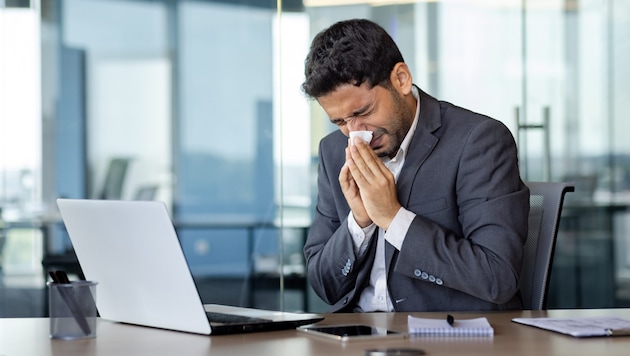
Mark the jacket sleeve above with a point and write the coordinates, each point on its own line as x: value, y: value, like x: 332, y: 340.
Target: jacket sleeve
x: 333, y: 269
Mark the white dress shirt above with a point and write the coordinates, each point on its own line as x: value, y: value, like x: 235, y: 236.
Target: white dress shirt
x: 375, y: 296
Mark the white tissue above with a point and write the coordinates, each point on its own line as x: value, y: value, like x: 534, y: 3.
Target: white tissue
x: 365, y: 136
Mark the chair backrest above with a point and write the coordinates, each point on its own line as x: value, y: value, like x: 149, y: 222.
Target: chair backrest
x: 545, y: 202
x: 115, y: 178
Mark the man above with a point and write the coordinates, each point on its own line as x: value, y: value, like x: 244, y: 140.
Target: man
x: 431, y: 214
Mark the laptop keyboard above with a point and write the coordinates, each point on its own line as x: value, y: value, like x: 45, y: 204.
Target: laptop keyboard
x: 223, y: 318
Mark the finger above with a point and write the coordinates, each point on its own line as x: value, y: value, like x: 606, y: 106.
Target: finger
x: 366, y: 161
x: 346, y: 180
x: 358, y: 169
x: 345, y: 177
x: 373, y: 162
x: 350, y: 163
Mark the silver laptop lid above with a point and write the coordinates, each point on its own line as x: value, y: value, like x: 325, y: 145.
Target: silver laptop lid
x: 131, y: 249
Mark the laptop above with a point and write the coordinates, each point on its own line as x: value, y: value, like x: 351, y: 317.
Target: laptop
x: 131, y: 249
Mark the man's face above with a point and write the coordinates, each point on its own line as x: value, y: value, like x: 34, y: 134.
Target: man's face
x: 378, y: 109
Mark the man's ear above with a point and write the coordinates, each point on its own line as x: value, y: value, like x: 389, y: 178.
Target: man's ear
x: 401, y: 78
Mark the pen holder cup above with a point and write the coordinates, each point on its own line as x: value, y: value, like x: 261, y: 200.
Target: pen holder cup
x: 72, y: 308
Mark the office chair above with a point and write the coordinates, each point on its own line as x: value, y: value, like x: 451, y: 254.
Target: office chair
x: 146, y: 192
x: 545, y: 201
x: 115, y: 178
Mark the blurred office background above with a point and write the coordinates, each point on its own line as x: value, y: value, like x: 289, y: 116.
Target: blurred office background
x: 197, y: 103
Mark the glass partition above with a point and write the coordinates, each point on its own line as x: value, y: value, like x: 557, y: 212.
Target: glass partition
x: 182, y: 103
x: 197, y: 103
x: 20, y: 145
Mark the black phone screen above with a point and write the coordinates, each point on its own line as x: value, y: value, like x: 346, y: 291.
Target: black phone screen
x: 353, y: 330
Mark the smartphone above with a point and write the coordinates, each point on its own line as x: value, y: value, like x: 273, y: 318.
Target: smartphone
x: 346, y: 333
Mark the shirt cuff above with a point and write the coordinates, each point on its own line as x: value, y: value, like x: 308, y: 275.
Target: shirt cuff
x: 398, y: 228
x: 360, y: 236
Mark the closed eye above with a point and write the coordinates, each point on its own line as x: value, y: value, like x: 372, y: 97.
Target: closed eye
x: 339, y: 122
x: 363, y: 112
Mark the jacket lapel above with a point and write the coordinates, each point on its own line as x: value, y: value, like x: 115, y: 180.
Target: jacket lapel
x: 421, y: 145
x: 420, y: 148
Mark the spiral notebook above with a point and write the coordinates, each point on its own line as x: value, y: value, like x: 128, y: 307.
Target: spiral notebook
x: 441, y: 327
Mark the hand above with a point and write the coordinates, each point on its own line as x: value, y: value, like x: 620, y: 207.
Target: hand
x: 372, y: 182
x: 351, y: 192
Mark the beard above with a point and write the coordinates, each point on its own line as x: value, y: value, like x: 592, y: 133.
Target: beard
x: 400, y: 120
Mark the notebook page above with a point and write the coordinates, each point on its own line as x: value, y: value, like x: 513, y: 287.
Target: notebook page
x: 440, y: 327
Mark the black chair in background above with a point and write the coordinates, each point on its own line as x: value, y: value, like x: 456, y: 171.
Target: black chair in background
x: 115, y: 178
x: 66, y: 259
x: 546, y: 200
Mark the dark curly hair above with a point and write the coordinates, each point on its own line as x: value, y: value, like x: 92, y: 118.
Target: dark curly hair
x: 349, y: 52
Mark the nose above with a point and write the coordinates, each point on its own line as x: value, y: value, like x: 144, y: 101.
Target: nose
x: 355, y: 124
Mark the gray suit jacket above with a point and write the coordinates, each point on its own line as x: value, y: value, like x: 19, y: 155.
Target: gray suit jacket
x: 463, y: 250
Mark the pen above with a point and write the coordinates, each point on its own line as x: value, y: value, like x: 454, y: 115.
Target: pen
x: 68, y: 296
x: 450, y: 320
x: 618, y: 332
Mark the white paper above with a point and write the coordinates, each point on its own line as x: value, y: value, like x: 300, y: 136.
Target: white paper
x: 578, y: 327
x: 365, y: 136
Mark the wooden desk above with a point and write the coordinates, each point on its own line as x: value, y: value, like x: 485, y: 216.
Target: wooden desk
x: 29, y: 336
